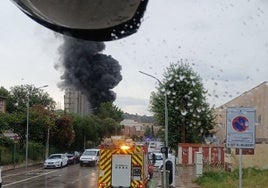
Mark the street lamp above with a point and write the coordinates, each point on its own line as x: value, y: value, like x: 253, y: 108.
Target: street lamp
x: 27, y: 129
x: 166, y: 127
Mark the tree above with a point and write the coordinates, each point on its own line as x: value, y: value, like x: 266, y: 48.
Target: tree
x: 189, y: 115
x: 4, y: 122
x: 109, y: 127
x: 62, y: 134
x: 148, y: 132
x: 3, y: 92
x: 86, y: 131
x: 41, y: 121
x: 18, y: 98
x: 89, y: 130
x: 17, y: 123
x: 109, y: 110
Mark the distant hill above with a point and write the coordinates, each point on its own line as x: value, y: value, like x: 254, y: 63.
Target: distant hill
x: 138, y: 118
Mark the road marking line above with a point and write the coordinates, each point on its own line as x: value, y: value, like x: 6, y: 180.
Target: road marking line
x: 5, y: 185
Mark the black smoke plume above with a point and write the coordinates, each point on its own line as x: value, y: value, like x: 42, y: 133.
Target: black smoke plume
x: 89, y: 71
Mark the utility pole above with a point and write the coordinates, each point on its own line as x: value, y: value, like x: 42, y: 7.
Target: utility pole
x: 166, y: 129
x: 27, y: 129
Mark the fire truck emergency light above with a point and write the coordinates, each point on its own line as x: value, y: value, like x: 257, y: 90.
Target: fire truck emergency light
x: 124, y: 147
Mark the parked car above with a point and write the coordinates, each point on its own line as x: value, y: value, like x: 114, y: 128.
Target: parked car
x: 90, y: 157
x: 158, y: 159
x: 58, y: 160
x: 73, y: 158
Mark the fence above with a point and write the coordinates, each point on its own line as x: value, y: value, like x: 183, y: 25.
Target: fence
x: 12, y: 154
x: 212, y: 154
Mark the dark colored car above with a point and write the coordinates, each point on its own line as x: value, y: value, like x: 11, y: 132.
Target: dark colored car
x: 73, y: 158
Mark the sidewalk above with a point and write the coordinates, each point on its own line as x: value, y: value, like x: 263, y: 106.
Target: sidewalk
x: 184, y: 178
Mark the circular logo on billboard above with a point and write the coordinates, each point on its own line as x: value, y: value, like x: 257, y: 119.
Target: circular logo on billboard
x: 240, y: 123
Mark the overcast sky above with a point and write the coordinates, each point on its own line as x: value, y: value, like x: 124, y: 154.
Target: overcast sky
x: 226, y: 43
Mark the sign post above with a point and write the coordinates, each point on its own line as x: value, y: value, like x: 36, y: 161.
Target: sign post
x: 240, y: 131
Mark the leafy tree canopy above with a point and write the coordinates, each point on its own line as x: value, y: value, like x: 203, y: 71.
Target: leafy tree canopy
x: 189, y: 115
x: 109, y: 110
x: 4, y: 92
x: 62, y: 134
x: 86, y: 131
x: 19, y: 95
x: 4, y: 122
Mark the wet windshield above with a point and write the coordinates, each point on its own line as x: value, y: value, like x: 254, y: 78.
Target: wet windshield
x: 167, y: 71
x: 90, y: 153
x: 55, y: 157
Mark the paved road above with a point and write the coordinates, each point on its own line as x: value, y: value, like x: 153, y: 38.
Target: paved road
x: 67, y: 177
x: 75, y: 176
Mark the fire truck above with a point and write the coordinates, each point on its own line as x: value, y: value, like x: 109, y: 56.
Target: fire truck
x: 123, y: 164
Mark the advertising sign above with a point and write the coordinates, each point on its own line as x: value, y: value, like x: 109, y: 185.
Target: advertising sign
x: 240, y: 127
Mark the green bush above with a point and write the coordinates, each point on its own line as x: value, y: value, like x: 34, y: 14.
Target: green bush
x: 212, y: 176
x: 9, y: 154
x: 6, y: 156
x: 6, y: 142
x: 36, y: 151
x: 251, y: 177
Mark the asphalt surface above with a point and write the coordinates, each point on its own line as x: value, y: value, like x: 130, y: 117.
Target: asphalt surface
x: 184, y: 176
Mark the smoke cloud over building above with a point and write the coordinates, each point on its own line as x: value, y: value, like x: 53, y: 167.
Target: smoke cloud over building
x: 88, y: 70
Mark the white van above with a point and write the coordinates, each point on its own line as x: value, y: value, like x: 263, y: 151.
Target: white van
x: 155, y: 146
x: 90, y: 157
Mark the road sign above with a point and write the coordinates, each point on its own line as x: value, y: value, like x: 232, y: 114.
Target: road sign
x: 240, y: 127
x: 240, y: 124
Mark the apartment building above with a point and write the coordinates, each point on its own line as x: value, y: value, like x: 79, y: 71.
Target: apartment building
x: 76, y: 102
x: 2, y: 104
x: 257, y: 98
x: 135, y: 128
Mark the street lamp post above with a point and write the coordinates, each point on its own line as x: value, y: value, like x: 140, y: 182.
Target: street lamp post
x: 27, y: 129
x: 166, y: 128
x: 27, y: 132
x: 47, y: 143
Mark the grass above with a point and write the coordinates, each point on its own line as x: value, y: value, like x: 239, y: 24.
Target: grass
x: 251, y: 178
